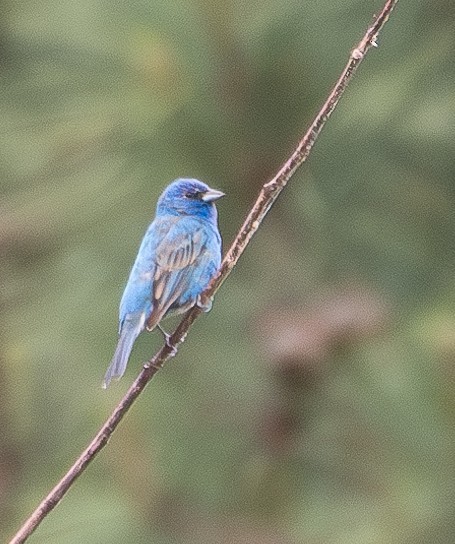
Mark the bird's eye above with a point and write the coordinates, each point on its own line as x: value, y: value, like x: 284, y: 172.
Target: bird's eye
x: 193, y: 196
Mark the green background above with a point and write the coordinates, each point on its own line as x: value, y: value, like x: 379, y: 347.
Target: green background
x: 315, y: 403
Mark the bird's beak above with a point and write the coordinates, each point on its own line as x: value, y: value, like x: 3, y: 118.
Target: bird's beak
x: 212, y: 195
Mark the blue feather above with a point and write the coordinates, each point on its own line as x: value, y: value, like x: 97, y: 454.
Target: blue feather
x: 179, y: 255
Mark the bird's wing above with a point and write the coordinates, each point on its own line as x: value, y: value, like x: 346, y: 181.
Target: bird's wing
x: 179, y: 260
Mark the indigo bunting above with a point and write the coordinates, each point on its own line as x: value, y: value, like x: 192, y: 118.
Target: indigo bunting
x: 178, y: 256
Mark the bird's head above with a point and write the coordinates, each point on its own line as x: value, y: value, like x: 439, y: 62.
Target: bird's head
x: 189, y: 197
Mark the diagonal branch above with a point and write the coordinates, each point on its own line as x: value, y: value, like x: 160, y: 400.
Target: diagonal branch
x: 267, y: 196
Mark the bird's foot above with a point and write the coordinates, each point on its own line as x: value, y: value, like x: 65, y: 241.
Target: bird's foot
x: 167, y: 339
x: 205, y: 304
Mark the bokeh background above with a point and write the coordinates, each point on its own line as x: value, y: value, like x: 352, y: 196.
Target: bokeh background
x: 315, y: 404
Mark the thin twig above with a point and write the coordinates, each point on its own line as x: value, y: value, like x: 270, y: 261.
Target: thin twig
x: 267, y: 196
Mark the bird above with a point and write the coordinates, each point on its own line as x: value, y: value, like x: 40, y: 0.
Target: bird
x: 179, y: 255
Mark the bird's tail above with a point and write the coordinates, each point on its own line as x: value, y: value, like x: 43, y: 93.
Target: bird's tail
x: 131, y: 328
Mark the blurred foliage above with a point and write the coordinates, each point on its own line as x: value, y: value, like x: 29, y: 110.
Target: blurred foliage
x: 315, y: 404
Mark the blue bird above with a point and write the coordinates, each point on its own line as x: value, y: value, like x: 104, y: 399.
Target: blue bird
x: 179, y: 255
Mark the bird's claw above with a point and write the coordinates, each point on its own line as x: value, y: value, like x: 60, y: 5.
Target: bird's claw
x: 167, y: 339
x: 205, y: 305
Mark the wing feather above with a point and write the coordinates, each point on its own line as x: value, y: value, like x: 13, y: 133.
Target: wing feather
x: 175, y: 260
